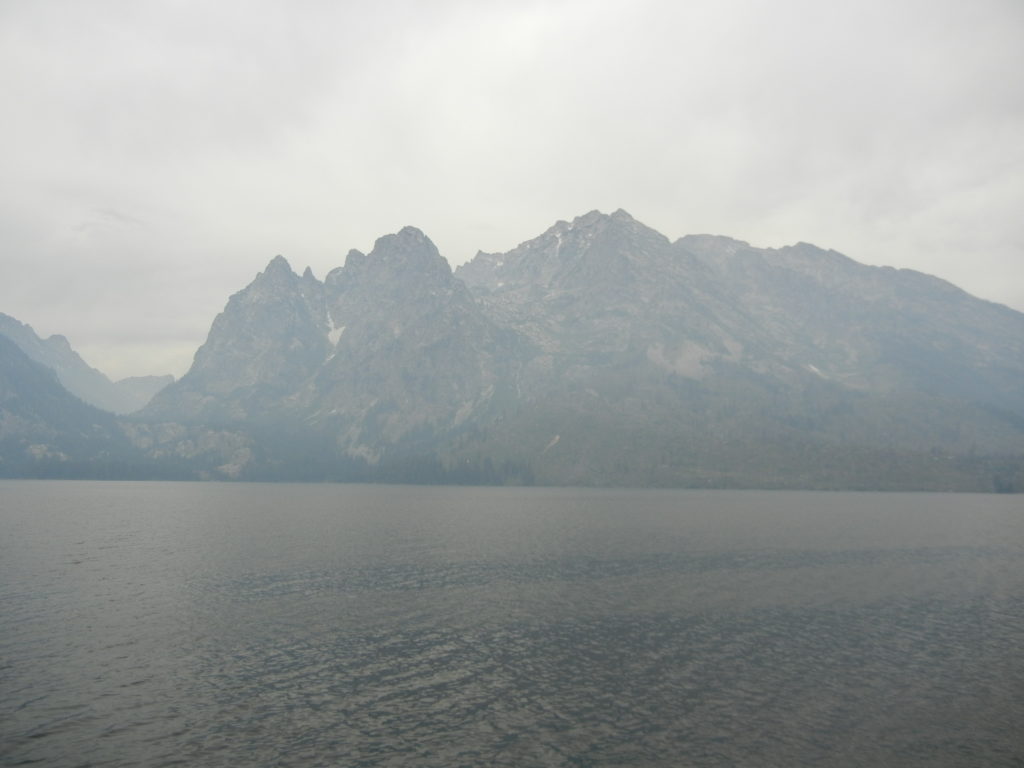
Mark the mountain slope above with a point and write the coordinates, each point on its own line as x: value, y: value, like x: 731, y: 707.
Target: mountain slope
x: 269, y: 339
x: 873, y: 328
x: 415, y: 357
x: 42, y: 426
x: 77, y: 376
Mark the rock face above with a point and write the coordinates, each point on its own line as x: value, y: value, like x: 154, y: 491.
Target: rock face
x: 268, y: 341
x: 77, y: 376
x: 601, y: 352
x: 414, y: 356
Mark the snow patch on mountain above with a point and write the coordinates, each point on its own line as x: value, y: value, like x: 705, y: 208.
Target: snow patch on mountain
x: 334, y: 332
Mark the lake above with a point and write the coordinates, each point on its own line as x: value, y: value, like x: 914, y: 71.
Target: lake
x: 212, y: 624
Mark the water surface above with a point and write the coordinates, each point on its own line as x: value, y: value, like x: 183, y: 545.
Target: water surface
x: 278, y: 625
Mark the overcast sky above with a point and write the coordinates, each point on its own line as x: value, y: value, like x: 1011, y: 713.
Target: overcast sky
x: 155, y: 155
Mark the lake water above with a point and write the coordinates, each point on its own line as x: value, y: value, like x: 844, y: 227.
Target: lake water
x: 236, y: 625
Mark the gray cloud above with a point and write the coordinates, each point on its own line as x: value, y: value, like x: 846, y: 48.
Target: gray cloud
x: 157, y: 154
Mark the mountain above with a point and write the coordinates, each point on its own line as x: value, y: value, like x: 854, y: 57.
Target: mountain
x: 719, y: 363
x: 139, y: 390
x: 386, y: 357
x: 47, y: 432
x: 601, y: 352
x: 260, y: 350
x: 608, y: 285
x: 43, y: 427
x: 414, y: 356
x: 77, y: 376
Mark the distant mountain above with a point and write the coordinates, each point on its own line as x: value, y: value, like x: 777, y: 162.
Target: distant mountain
x: 77, y: 376
x: 139, y: 390
x: 47, y: 432
x: 600, y: 352
x: 42, y: 426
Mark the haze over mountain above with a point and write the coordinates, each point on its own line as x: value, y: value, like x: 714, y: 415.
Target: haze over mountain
x: 600, y: 352
x: 47, y: 432
x: 77, y: 376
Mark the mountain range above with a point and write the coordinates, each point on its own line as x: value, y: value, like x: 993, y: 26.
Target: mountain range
x: 598, y: 353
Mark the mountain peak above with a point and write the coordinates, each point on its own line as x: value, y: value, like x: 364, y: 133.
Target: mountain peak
x: 588, y: 219
x: 595, y: 216
x: 279, y: 264
x: 277, y: 272
x: 595, y: 249
x: 353, y: 258
x: 60, y: 341
x: 412, y: 233
x: 408, y: 249
x: 405, y: 238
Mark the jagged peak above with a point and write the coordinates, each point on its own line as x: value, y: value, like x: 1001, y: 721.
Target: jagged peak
x: 406, y: 237
x: 408, y: 247
x: 278, y: 266
x: 618, y: 220
x: 354, y: 259
x: 412, y: 233
x: 595, y: 216
x: 276, y: 275
x: 588, y: 219
x: 562, y: 227
x: 308, y: 274
x: 620, y: 226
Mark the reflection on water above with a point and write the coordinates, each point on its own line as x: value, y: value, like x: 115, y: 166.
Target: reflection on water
x: 206, y: 624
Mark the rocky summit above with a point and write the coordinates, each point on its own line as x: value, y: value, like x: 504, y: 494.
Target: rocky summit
x: 602, y: 353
